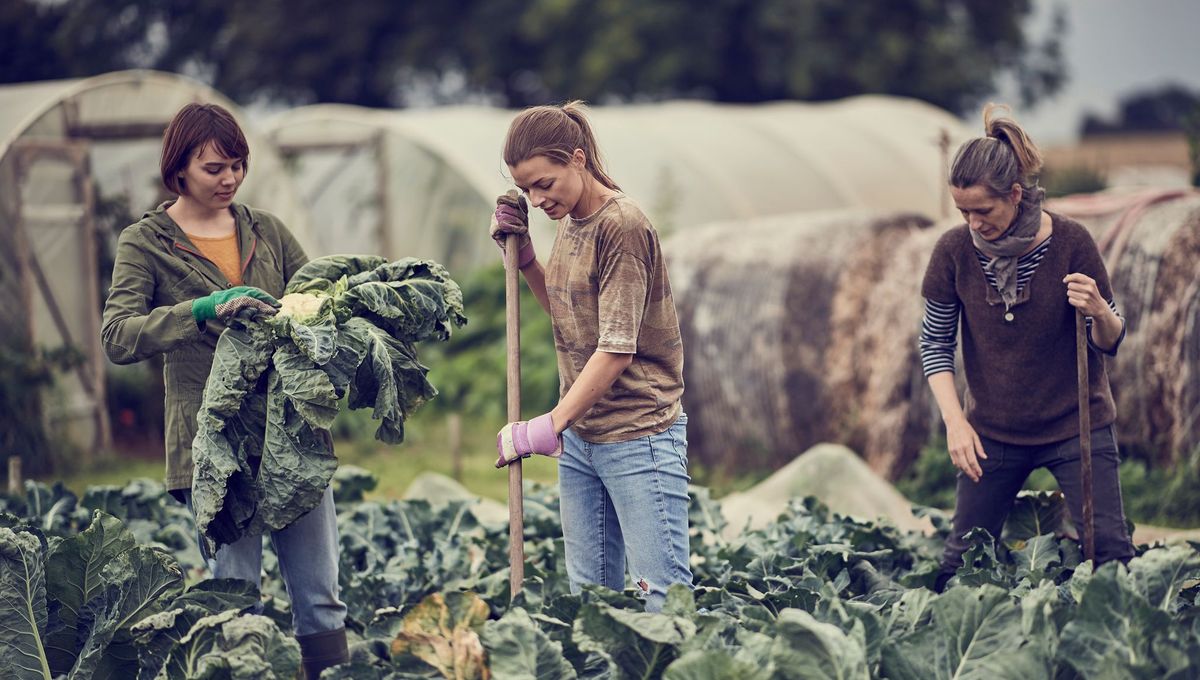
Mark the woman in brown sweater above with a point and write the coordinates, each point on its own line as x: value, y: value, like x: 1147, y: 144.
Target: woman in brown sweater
x: 1013, y: 275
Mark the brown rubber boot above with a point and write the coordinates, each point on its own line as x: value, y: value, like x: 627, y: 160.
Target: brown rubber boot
x: 322, y: 650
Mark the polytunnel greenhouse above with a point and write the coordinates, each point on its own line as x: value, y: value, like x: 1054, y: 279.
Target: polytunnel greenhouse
x: 79, y: 160
x: 422, y: 182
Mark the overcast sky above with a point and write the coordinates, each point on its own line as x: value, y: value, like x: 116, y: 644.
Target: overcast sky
x: 1113, y: 48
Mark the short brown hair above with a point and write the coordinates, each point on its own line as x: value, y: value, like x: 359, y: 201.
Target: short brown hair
x: 193, y: 127
x: 555, y: 132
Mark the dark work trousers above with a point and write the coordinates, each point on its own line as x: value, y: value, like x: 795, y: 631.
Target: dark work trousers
x: 986, y: 503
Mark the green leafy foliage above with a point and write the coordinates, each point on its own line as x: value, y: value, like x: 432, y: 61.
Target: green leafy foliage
x: 262, y: 452
x: 634, y: 644
x: 930, y: 480
x: 94, y: 603
x: 23, y: 610
x: 24, y: 372
x: 143, y: 506
x: 53, y: 509
x: 972, y: 633
x: 1164, y: 496
x: 351, y: 483
x: 1118, y: 633
x: 518, y: 648
x: 808, y: 648
x: 1035, y: 513
x: 76, y: 574
x: 470, y: 369
x: 813, y: 595
x: 949, y: 52
x: 159, y: 635
x: 228, y: 645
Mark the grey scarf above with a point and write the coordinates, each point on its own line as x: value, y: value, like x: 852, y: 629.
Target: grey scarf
x: 1005, y: 250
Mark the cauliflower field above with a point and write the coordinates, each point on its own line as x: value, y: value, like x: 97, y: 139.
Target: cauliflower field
x: 110, y: 586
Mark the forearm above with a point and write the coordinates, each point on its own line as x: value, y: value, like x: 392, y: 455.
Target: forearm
x: 535, y: 278
x: 129, y: 338
x: 133, y: 329
x: 962, y: 442
x: 1106, y: 329
x: 946, y: 396
x: 594, y: 381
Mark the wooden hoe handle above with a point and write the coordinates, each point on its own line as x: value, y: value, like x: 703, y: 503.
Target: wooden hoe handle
x: 516, y: 500
x: 1085, y: 438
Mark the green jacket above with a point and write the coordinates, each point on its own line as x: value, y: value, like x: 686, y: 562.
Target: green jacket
x: 157, y: 274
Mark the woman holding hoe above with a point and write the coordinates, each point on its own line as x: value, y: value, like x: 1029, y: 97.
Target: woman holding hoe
x: 618, y: 431
x: 1013, y: 276
x: 181, y: 273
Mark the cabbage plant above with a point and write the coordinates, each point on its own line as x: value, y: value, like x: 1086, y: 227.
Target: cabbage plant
x: 348, y: 327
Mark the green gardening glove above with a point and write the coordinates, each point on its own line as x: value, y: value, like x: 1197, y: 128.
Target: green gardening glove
x: 226, y: 303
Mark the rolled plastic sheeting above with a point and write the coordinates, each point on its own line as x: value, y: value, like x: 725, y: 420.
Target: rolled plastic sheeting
x: 802, y: 329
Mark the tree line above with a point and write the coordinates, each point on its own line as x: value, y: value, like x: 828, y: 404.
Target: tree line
x: 392, y: 54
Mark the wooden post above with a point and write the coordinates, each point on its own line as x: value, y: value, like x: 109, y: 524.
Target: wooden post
x: 15, y: 483
x: 383, y: 180
x: 89, y: 233
x: 454, y: 435
x: 22, y: 247
x: 1085, y: 438
x: 516, y: 494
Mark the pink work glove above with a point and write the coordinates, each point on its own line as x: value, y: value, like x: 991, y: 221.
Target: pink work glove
x: 512, y: 217
x: 522, y: 438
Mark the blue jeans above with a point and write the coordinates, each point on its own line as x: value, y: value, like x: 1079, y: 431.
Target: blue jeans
x: 627, y: 499
x: 308, y: 562
x: 986, y: 503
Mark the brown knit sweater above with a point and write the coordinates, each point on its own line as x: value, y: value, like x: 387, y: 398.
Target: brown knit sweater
x: 1021, y: 375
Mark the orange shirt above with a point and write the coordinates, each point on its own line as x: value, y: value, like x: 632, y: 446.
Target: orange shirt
x: 223, y: 252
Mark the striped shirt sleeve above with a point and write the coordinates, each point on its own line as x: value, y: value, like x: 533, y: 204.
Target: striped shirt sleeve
x: 939, y: 336
x: 1112, y: 304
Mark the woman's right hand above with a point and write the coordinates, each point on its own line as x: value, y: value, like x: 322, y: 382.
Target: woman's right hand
x: 966, y: 449
x: 512, y: 217
x: 223, y: 304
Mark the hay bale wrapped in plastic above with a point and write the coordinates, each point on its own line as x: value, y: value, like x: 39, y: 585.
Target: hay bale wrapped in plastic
x: 789, y: 340
x: 1150, y: 241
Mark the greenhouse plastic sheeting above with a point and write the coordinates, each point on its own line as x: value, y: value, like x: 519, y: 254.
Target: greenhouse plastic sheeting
x: 77, y: 155
x: 422, y: 182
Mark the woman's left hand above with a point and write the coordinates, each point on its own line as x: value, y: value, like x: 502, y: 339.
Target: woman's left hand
x: 522, y: 438
x: 1084, y: 295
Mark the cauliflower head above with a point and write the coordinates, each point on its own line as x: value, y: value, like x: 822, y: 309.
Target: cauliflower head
x: 302, y: 306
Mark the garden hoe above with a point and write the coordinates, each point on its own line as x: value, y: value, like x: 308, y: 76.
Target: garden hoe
x: 516, y: 500
x: 1085, y: 438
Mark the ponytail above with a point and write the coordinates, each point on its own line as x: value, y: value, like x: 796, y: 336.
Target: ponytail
x: 1029, y: 159
x: 1004, y: 157
x: 555, y: 132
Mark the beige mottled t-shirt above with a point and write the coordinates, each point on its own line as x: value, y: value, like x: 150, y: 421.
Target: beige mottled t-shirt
x: 608, y: 291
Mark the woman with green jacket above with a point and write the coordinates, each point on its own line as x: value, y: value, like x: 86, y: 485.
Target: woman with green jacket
x: 180, y: 273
